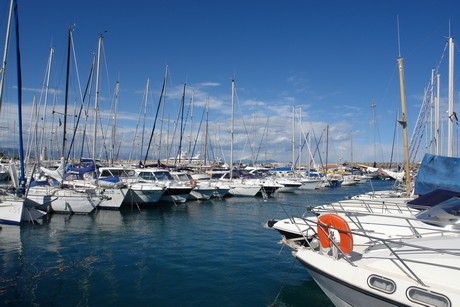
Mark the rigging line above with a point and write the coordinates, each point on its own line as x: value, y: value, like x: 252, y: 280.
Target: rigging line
x: 83, y: 139
x: 156, y: 116
x: 394, y: 137
x: 81, y: 109
x: 420, y: 125
x: 285, y: 279
x: 76, y: 68
x: 176, y: 123
x: 46, y: 91
x: 317, y: 143
x: 261, y: 140
x: 182, y: 123
x: 197, y: 134
x: 244, y: 125
x: 104, y: 56
x: 136, y: 130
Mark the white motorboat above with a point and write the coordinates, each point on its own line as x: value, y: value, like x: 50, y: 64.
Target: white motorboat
x: 175, y: 192
x: 417, y: 270
x: 361, y: 212
x: 138, y: 192
x: 202, y: 190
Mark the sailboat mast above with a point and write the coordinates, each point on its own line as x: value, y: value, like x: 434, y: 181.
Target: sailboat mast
x: 450, y: 121
x: 192, y: 103
x: 293, y: 138
x: 22, y: 180
x: 182, y: 125
x: 146, y: 93
x: 300, y: 137
x: 373, y: 105
x: 114, y: 127
x: 206, y: 133
x: 163, y: 98
x: 5, y: 53
x: 96, y: 99
x: 403, y: 122
x: 69, y: 42
x: 351, y: 149
x: 231, y: 130
x: 436, y: 114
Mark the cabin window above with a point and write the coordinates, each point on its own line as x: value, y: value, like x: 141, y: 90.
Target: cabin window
x: 426, y: 297
x: 183, y: 177
x: 147, y: 176
x: 381, y: 283
x: 106, y: 173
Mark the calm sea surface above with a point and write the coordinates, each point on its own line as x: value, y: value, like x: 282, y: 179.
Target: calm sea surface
x: 213, y: 253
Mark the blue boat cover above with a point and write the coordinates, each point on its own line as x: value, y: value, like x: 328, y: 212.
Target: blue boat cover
x: 438, y: 172
x: 282, y: 169
x: 432, y: 198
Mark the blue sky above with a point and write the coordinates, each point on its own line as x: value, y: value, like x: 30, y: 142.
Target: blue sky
x: 328, y: 58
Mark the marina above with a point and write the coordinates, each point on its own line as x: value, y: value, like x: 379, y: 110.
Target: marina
x: 228, y: 189
x: 215, y: 252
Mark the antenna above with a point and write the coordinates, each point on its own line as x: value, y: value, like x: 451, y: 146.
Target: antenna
x: 449, y: 29
x: 399, y: 41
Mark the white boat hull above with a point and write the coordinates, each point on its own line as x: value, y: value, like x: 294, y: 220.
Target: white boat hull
x: 310, y: 184
x: 64, y: 200
x: 11, y: 211
x: 202, y: 193
x: 113, y: 198
x: 144, y: 193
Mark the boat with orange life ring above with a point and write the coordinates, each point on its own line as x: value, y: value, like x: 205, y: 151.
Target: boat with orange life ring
x: 335, y: 221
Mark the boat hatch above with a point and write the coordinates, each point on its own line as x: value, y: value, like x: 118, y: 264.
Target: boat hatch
x: 427, y: 298
x: 381, y: 284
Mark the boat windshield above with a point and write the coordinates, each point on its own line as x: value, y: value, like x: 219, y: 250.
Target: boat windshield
x: 444, y: 214
x: 163, y: 176
x: 184, y: 177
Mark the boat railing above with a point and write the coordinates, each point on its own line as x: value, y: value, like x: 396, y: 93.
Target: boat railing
x: 374, y: 206
x: 408, y: 220
x: 393, y: 246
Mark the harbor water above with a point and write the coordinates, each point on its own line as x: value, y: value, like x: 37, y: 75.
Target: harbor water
x: 210, y: 253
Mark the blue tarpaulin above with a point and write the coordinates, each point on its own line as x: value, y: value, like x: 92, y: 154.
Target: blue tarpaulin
x: 433, y: 198
x: 438, y: 172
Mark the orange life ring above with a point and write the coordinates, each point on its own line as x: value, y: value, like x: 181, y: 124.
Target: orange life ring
x: 339, y: 223
x: 192, y: 182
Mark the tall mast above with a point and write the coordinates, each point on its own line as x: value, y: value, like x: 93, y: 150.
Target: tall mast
x: 300, y: 137
x: 403, y: 120
x: 436, y: 114
x: 231, y: 130
x: 114, y: 127
x: 293, y: 138
x: 182, y: 107
x: 22, y: 180
x: 351, y: 148
x: 431, y: 137
x: 191, y: 125
x: 206, y: 133
x: 96, y: 98
x: 146, y: 93
x: 69, y: 42
x: 162, y: 97
x: 5, y: 53
x: 375, y: 130
x: 451, y: 99
x: 163, y: 114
